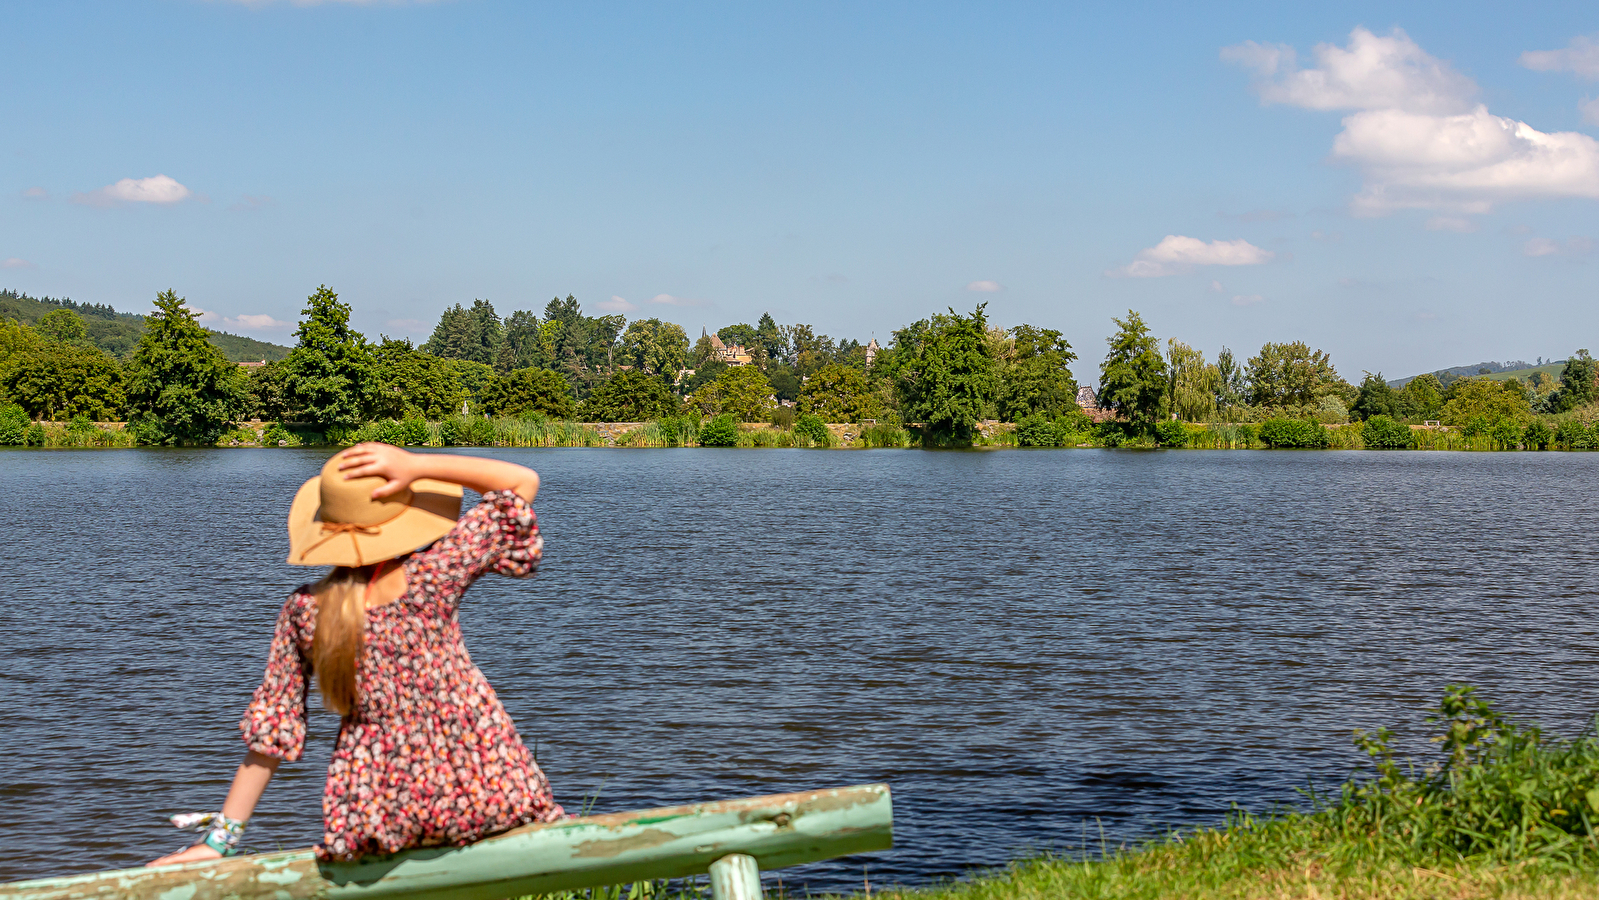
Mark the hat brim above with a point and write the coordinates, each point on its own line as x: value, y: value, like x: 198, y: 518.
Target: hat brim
x: 434, y: 509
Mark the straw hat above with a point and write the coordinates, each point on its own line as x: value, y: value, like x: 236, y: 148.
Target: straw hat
x: 335, y: 522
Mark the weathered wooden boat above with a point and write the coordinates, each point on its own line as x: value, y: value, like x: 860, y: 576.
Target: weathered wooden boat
x: 733, y: 840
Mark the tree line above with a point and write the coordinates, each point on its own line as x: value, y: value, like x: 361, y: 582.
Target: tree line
x: 945, y: 374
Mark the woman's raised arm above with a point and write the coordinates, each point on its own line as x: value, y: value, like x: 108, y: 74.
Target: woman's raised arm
x: 401, y: 468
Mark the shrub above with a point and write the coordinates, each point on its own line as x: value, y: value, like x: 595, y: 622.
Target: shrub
x: 1383, y: 433
x: 13, y: 425
x: 1111, y: 433
x: 813, y: 427
x: 1248, y: 434
x: 275, y: 435
x: 1295, y: 434
x: 1573, y: 436
x: 33, y: 436
x: 1537, y: 436
x: 1171, y: 433
x: 1507, y: 432
x: 1036, y: 431
x: 721, y: 431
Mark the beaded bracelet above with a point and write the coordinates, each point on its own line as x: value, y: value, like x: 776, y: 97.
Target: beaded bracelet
x: 222, y: 833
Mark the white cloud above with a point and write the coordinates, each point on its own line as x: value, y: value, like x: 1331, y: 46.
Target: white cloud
x: 1451, y: 223
x: 156, y: 189
x: 36, y: 193
x: 670, y: 300
x: 1575, y: 248
x: 985, y: 287
x: 1580, y: 57
x: 617, y: 305
x: 1371, y: 73
x: 410, y: 325
x: 13, y: 262
x: 247, y: 321
x: 1216, y: 287
x: 1247, y: 299
x: 1176, y: 254
x: 1414, y: 134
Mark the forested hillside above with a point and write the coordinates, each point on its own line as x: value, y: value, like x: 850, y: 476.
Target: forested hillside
x: 117, y: 333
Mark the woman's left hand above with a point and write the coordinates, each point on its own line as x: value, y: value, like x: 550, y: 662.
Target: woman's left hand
x: 396, y: 466
x: 191, y: 854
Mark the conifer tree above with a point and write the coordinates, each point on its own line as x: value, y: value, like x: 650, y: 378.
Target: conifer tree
x: 328, y: 374
x: 181, y: 389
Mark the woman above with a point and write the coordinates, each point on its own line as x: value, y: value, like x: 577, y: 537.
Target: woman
x: 426, y: 753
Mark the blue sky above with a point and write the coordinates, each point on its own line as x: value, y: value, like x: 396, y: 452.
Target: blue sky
x: 1404, y: 199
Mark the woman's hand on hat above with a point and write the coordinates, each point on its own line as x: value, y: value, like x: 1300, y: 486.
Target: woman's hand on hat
x: 397, y: 467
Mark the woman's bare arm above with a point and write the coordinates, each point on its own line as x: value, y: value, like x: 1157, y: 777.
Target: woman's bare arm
x: 248, y: 785
x: 401, y: 468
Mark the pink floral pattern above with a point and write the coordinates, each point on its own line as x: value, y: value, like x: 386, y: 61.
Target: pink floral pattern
x: 430, y: 757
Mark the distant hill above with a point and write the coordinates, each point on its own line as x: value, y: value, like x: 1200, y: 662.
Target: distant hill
x: 1495, y: 370
x: 118, y: 333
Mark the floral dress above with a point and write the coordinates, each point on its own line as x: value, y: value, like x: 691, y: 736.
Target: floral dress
x: 430, y: 757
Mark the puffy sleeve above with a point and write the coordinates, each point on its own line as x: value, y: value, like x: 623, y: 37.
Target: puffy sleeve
x: 499, y: 534
x: 274, y: 724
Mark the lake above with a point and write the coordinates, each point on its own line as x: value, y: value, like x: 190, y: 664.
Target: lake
x: 1031, y: 647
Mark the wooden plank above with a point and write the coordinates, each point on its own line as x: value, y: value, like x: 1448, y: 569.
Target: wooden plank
x: 736, y: 877
x: 675, y: 842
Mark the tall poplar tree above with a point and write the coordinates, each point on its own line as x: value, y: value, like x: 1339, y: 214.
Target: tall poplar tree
x: 180, y: 388
x: 328, y: 375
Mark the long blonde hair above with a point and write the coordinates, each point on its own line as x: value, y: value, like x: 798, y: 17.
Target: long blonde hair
x: 340, y: 625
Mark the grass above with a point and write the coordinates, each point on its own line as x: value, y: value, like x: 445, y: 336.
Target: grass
x: 1503, y: 811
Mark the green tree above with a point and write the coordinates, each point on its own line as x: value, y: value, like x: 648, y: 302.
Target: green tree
x: 181, y: 389
x: 1193, y: 386
x: 1421, y: 398
x: 740, y: 391
x: 1290, y: 375
x: 525, y: 392
x: 660, y: 348
x: 1472, y: 398
x: 839, y: 393
x: 328, y: 374
x: 809, y: 350
x: 1576, y: 383
x: 1232, y: 387
x: 701, y: 354
x: 1376, y: 398
x: 742, y: 334
x: 524, y: 345
x: 706, y: 373
x: 770, y: 338
x: 944, y: 374
x: 1034, y: 375
x: 631, y: 397
x: 1132, y: 379
x: 475, y: 378
x: 407, y: 383
x: 62, y: 326
x: 60, y: 381
x: 474, y: 334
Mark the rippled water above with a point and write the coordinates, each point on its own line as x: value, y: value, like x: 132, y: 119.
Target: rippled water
x: 1027, y: 645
